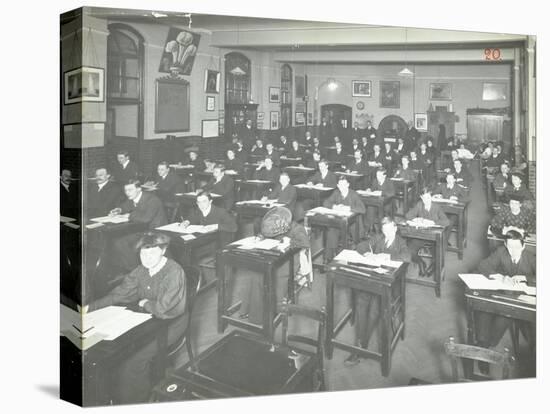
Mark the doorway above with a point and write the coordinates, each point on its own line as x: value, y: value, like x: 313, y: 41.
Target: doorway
x: 338, y: 119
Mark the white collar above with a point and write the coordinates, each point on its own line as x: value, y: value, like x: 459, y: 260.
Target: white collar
x: 207, y: 211
x: 136, y: 200
x: 155, y: 269
x: 125, y: 164
x: 102, y: 185
x: 65, y: 185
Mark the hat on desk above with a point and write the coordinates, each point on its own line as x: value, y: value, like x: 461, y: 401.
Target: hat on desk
x: 276, y: 222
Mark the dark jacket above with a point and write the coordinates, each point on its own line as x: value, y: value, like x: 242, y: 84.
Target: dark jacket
x: 387, y: 188
x: 500, y: 262
x: 330, y: 179
x: 287, y: 196
x: 123, y: 175
x: 226, y: 188
x: 168, y: 186
x: 271, y: 175
x: 149, y: 210
x: 217, y: 215
x: 457, y: 191
x: 435, y: 214
x: 352, y: 199
x: 377, y: 244
x: 101, y: 202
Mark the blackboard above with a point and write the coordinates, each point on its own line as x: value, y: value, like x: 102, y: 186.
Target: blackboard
x: 172, y: 105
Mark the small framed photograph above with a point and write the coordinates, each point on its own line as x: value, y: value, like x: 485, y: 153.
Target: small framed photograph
x: 210, y: 128
x: 440, y: 91
x: 211, y: 81
x: 389, y: 94
x: 210, y: 103
x: 361, y: 88
x: 421, y: 122
x: 84, y: 84
x: 274, y: 120
x: 300, y: 118
x: 260, y: 116
x: 274, y: 94
x: 494, y: 91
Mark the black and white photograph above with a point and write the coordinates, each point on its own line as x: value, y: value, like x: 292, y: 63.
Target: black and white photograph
x: 218, y: 241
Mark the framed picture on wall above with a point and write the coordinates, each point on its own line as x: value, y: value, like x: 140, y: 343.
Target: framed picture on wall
x: 440, y: 91
x: 389, y: 94
x: 421, y: 122
x: 274, y: 94
x: 210, y: 103
x: 274, y: 119
x: 210, y: 128
x: 494, y: 91
x: 300, y: 118
x: 309, y: 118
x: 361, y: 88
x: 211, y: 81
x: 84, y: 84
x: 260, y: 116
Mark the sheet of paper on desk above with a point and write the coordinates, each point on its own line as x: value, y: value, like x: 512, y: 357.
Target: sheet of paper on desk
x: 317, y: 187
x: 329, y: 211
x: 257, y: 181
x: 121, y: 218
x: 94, y: 225
x: 64, y: 219
x: 253, y: 243
x: 188, y: 237
x: 192, y: 228
x: 127, y: 320
x: 531, y: 300
x: 72, y: 225
x: 444, y: 200
x: 480, y: 282
x: 375, y: 260
x: 370, y: 193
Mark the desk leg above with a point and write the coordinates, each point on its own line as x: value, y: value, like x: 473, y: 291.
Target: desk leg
x: 269, y: 303
x: 222, y: 287
x: 439, y: 252
x: 344, y: 231
x: 470, y: 314
x: 290, y: 284
x: 460, y: 235
x: 386, y: 331
x: 330, y: 314
x: 403, y: 283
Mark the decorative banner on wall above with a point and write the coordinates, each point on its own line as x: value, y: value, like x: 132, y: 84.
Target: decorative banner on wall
x: 179, y: 51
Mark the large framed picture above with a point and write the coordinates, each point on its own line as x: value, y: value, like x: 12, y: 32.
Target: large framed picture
x: 211, y: 81
x: 210, y: 128
x: 440, y: 91
x: 210, y: 103
x: 84, y: 84
x: 274, y: 120
x: 494, y: 91
x: 389, y: 94
x: 300, y: 118
x: 179, y: 51
x: 274, y: 94
x: 421, y: 122
x: 361, y: 88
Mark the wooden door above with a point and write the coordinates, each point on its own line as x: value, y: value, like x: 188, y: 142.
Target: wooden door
x: 338, y: 117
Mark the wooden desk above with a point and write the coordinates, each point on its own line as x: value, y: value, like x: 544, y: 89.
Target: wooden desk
x: 264, y: 262
x: 408, y: 189
x: 325, y: 222
x: 253, y: 187
x: 460, y: 210
x: 391, y: 289
x: 249, y: 211
x: 379, y: 202
x: 188, y: 201
x: 89, y: 373
x: 238, y: 365
x: 186, y: 172
x: 288, y: 162
x: 318, y: 195
x: 298, y: 175
x: 436, y: 237
x: 497, y: 303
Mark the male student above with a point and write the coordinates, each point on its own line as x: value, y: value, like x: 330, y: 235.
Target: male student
x: 248, y: 135
x: 283, y: 145
x: 267, y: 172
x: 412, y: 136
x: 371, y: 133
x: 294, y: 151
x: 513, y: 216
x: 324, y: 176
x: 258, y: 150
x: 167, y: 182
x: 338, y: 155
x: 103, y: 195
x: 426, y: 159
x: 273, y: 154
x: 126, y: 169
x: 463, y: 176
x: 284, y: 192
x: 143, y: 208
x: 507, y: 263
x: 344, y: 199
x: 240, y: 152
x: 195, y: 160
x: 233, y: 163
x: 404, y: 171
x: 69, y: 197
x: 451, y: 190
x: 367, y: 305
x: 434, y: 215
x: 208, y: 214
x: 223, y: 185
x: 387, y: 189
x: 313, y: 161
x: 359, y: 166
x: 503, y: 178
x: 495, y: 159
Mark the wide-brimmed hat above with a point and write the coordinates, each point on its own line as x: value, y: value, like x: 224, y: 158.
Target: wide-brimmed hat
x: 276, y: 222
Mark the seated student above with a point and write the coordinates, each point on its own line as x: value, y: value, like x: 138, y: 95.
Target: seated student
x: 233, y: 163
x: 277, y: 224
x: 355, y: 146
x: 168, y: 183
x: 450, y: 190
x: 376, y: 158
x: 495, y: 160
x: 520, y: 189
x: 307, y: 142
x: 258, y: 148
x: 69, y: 196
x: 386, y: 187
x: 195, y: 160
x: 404, y: 171
x: 283, y: 145
x: 503, y: 178
x: 267, y: 172
x: 273, y: 154
x: 390, y: 159
x: 486, y: 150
x: 240, y: 152
x: 415, y: 163
x: 513, y: 216
x: 125, y: 170
x: 367, y: 305
x: 294, y: 151
x: 208, y: 214
x: 223, y: 185
x: 143, y: 208
x: 103, y: 195
x: 359, y: 166
x: 234, y: 140
x: 432, y: 214
x: 317, y: 147
x: 313, y: 161
x: 338, y: 155
x: 283, y: 192
x: 324, y: 176
x: 426, y: 159
x: 401, y: 149
x: 463, y: 176
x: 507, y: 263
x: 344, y: 199
x: 158, y: 286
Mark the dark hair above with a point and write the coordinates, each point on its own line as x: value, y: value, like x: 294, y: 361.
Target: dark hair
x: 219, y: 166
x: 425, y: 190
x: 164, y: 163
x: 102, y: 168
x: 387, y: 220
x: 134, y: 182
x: 343, y: 178
x: 514, y: 235
x: 153, y: 239
x: 383, y: 170
x: 206, y: 194
x: 285, y: 174
x: 123, y: 152
x: 324, y: 161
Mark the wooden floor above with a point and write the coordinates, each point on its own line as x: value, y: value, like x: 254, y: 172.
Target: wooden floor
x: 429, y: 320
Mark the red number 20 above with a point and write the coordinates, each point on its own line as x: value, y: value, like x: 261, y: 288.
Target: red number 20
x: 492, y: 54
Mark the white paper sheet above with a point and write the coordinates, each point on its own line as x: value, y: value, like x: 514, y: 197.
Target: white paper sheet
x: 315, y: 186
x: 94, y: 225
x: 64, y: 219
x: 192, y: 228
x: 329, y: 211
x: 121, y: 218
x: 254, y: 242
x: 370, y: 193
x: 372, y: 260
x: 480, y: 282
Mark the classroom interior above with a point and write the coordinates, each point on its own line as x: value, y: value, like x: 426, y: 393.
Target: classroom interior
x: 289, y: 77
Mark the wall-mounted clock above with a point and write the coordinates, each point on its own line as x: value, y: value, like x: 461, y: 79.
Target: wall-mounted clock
x: 360, y: 105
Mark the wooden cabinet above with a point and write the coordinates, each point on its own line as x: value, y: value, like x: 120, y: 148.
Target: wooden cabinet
x: 436, y: 118
x: 484, y: 127
x: 236, y: 116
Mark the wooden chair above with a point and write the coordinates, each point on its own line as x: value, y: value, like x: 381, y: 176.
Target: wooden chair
x: 295, y: 342
x: 164, y: 361
x: 467, y: 354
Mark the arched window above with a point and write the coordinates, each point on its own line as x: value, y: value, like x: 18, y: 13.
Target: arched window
x: 237, y: 78
x: 286, y: 96
x: 124, y: 62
